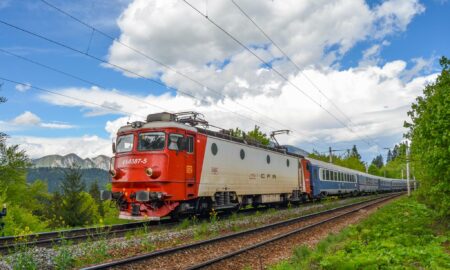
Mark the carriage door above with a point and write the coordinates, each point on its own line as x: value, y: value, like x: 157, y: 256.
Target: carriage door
x: 190, y: 165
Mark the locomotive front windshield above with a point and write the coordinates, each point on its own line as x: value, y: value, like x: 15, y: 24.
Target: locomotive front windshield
x: 124, y: 143
x: 152, y: 141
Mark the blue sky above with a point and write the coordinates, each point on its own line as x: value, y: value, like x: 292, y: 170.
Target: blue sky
x: 418, y: 43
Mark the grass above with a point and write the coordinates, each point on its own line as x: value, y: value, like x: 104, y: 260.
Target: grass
x: 402, y: 235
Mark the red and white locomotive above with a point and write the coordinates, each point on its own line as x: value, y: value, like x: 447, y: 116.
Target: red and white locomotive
x: 168, y: 165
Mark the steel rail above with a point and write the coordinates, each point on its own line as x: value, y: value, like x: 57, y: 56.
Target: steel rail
x: 282, y: 236
x: 48, y: 238
x: 173, y: 250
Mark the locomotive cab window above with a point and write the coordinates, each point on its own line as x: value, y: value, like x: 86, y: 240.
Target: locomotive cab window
x: 176, y: 142
x: 190, y: 144
x: 124, y: 143
x: 152, y: 141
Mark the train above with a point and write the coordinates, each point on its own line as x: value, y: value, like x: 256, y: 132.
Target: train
x: 173, y: 165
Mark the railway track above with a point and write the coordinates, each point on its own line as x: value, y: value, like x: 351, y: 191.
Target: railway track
x: 50, y: 238
x: 207, y: 253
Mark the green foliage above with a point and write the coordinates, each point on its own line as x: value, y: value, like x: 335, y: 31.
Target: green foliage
x: 429, y: 131
x: 401, y: 235
x: 378, y: 161
x: 254, y: 135
x: 78, y: 207
x: 64, y: 258
x: 351, y: 159
x: 20, y: 220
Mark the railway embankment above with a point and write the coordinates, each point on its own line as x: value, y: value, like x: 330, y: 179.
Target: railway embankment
x: 68, y: 254
x: 404, y: 234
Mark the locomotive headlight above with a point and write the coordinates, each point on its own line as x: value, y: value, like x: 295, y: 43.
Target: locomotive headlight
x: 149, y: 172
x: 112, y: 172
x: 153, y: 172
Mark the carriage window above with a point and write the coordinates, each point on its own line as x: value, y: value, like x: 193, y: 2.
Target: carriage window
x: 124, y: 143
x: 327, y: 175
x: 151, y: 141
x: 190, y: 144
x: 335, y: 176
x: 176, y: 142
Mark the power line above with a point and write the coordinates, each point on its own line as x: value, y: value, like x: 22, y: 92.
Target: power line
x: 70, y: 97
x: 77, y: 78
x: 124, y: 69
x: 94, y: 29
x: 296, y: 66
x: 273, y: 69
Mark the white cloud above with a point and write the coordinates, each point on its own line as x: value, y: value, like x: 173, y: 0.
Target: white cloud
x: 86, y: 146
x: 313, y: 33
x: 23, y: 87
x: 375, y: 98
x: 28, y: 119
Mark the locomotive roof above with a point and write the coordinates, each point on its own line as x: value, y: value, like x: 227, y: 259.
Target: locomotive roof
x: 157, y: 124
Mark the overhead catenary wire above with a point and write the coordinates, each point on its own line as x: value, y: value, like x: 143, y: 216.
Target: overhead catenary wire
x: 89, y: 82
x: 296, y: 66
x: 168, y: 67
x: 125, y: 70
x: 110, y: 108
x: 266, y: 64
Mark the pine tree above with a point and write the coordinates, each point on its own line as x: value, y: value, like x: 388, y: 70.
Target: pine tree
x: 378, y: 161
x: 94, y: 191
x: 389, y: 156
x: 78, y: 207
x: 354, y: 153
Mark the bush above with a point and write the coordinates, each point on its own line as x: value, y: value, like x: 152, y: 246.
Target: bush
x: 401, y: 235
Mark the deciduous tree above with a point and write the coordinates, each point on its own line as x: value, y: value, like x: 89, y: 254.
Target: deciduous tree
x: 429, y: 131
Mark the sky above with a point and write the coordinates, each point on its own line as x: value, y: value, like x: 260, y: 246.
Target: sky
x: 336, y: 73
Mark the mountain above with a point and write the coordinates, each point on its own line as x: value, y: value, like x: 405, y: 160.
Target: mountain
x: 51, y: 169
x: 57, y: 161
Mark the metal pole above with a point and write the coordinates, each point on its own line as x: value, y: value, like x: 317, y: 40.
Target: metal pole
x: 331, y: 154
x: 407, y: 169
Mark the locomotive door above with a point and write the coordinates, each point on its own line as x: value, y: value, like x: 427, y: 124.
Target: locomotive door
x: 190, y: 165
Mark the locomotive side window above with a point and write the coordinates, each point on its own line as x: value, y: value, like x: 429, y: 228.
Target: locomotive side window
x: 268, y: 159
x: 287, y: 162
x: 151, y: 141
x: 190, y: 144
x: 214, y: 149
x: 242, y: 154
x: 176, y: 142
x: 124, y: 143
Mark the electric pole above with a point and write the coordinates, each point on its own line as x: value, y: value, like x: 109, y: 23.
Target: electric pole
x: 331, y: 154
x: 407, y: 169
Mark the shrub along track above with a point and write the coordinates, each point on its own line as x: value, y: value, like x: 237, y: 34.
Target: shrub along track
x: 77, y: 235
x: 9, y: 244
x: 231, y: 251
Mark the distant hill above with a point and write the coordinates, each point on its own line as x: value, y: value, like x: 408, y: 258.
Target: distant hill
x: 53, y: 177
x: 51, y: 170
x: 57, y: 161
